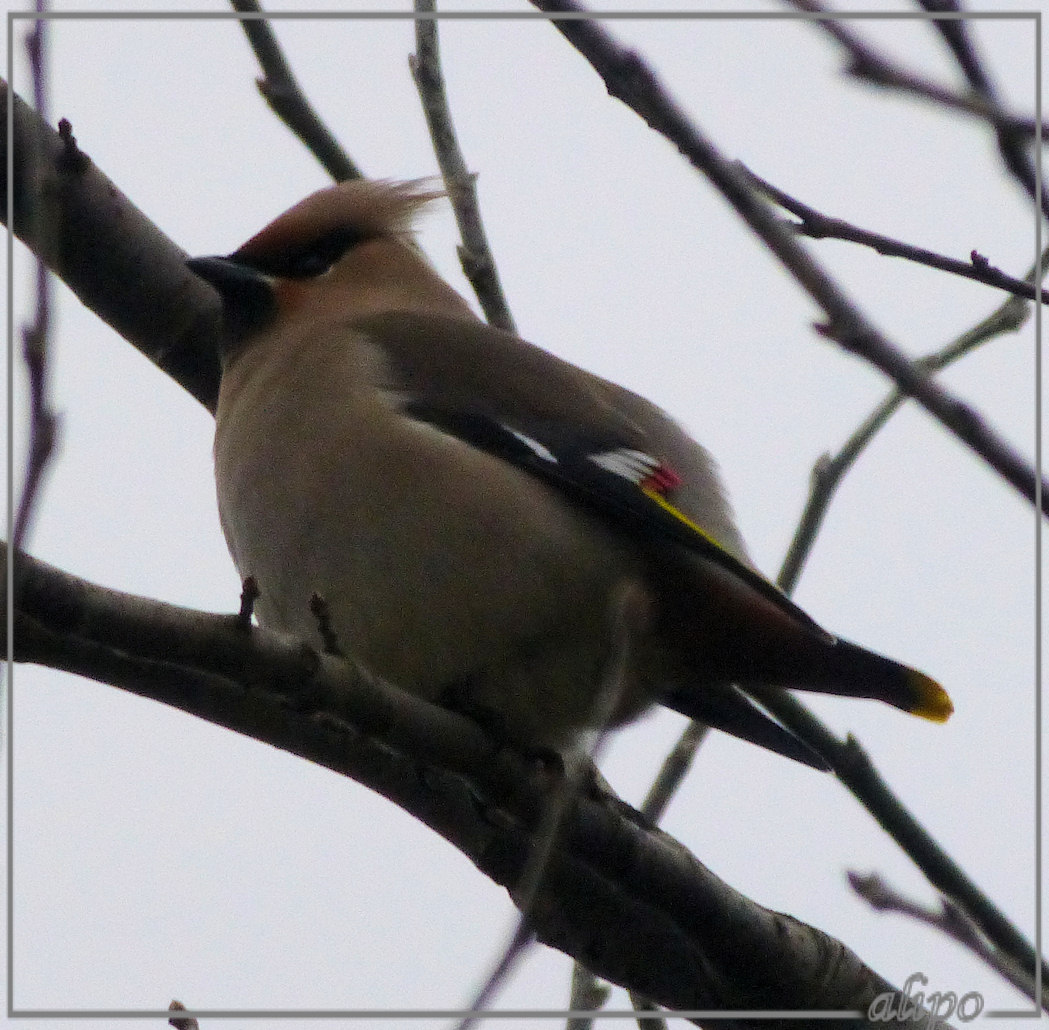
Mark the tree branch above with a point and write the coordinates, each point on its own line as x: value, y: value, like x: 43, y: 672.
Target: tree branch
x: 870, y: 66
x: 853, y: 767
x: 819, y: 226
x: 1012, y: 142
x: 186, y: 358
x: 281, y: 90
x: 951, y: 920
x: 475, y: 255
x: 120, y: 265
x: 830, y: 470
x: 629, y: 79
x: 612, y: 879
x: 36, y: 337
x: 873, y: 67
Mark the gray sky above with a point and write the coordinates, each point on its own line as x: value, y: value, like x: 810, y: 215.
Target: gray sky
x: 157, y: 856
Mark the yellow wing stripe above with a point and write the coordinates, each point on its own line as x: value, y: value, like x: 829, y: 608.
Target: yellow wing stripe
x: 749, y: 575
x: 931, y: 700
x: 654, y: 495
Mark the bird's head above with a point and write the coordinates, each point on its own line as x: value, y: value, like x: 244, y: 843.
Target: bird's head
x: 344, y: 252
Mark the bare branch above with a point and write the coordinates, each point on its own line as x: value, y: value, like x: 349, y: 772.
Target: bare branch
x: 870, y: 66
x: 631, y: 80
x: 829, y: 470
x: 819, y: 226
x: 611, y: 879
x: 873, y: 67
x: 281, y: 90
x: 949, y: 919
x: 673, y: 770
x: 43, y: 422
x: 475, y: 255
x: 853, y: 767
x: 647, y: 1022
x: 111, y: 256
x: 1012, y: 143
x: 588, y: 995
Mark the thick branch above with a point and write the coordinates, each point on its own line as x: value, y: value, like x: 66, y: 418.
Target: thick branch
x: 111, y: 256
x: 612, y: 880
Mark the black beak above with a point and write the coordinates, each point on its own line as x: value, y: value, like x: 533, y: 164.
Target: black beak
x: 247, y: 295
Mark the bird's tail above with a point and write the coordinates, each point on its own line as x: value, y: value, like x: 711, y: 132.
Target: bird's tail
x: 848, y: 670
x: 728, y: 709
x: 845, y: 670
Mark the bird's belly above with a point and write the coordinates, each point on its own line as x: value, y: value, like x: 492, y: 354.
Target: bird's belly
x: 431, y: 585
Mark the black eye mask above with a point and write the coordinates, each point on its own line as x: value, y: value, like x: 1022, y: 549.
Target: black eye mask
x: 308, y: 261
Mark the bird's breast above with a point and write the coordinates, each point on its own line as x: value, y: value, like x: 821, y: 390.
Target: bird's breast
x: 442, y: 566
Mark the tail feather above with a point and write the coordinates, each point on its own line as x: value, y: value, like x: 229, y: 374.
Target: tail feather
x: 848, y: 670
x: 731, y: 633
x: 728, y: 709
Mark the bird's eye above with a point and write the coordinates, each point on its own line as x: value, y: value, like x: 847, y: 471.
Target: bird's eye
x: 316, y: 258
x: 309, y: 260
x: 309, y: 265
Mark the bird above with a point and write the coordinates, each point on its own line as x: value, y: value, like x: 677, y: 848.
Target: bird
x: 489, y: 526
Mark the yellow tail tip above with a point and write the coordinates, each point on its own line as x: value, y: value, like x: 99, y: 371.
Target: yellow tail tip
x: 931, y: 700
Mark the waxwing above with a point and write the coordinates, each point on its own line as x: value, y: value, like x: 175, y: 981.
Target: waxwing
x: 489, y: 525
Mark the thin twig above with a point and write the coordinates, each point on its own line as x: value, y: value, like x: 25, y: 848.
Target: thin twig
x: 949, y: 919
x: 281, y: 90
x: 520, y: 941
x: 869, y: 65
x: 43, y: 422
x: 648, y: 1022
x: 1012, y: 143
x: 475, y: 255
x: 854, y: 768
x: 673, y: 770
x: 829, y: 470
x: 587, y: 992
x: 671, y: 774
x: 819, y: 226
x: 629, y: 79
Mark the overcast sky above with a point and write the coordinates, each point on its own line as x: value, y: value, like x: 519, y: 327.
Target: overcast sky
x: 160, y: 857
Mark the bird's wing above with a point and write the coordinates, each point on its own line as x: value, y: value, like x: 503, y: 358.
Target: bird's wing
x: 603, y: 446
x: 624, y: 485
x: 588, y: 439
x: 457, y: 364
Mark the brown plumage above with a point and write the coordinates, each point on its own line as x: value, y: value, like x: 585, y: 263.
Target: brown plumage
x: 475, y: 510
